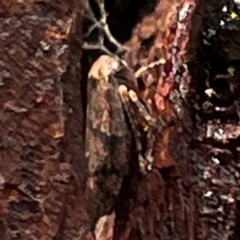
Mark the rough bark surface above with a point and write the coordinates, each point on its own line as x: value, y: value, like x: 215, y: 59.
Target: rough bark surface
x: 193, y: 190
x: 42, y: 166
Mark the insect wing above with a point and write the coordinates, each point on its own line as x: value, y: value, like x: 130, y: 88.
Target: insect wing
x: 107, y: 147
x: 107, y: 131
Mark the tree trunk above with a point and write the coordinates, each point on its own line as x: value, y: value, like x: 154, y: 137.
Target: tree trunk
x: 42, y: 166
x: 192, y: 191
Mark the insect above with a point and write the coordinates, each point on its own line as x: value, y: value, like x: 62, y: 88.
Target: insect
x: 116, y: 118
x: 113, y: 97
x: 118, y: 123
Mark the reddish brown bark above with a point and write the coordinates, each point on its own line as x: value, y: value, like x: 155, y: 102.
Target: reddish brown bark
x: 42, y: 166
x: 193, y: 191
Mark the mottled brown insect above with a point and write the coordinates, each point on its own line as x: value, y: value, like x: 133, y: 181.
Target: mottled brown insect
x: 115, y: 117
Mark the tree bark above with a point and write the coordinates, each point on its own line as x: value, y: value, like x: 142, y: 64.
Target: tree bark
x: 192, y: 191
x: 42, y: 166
